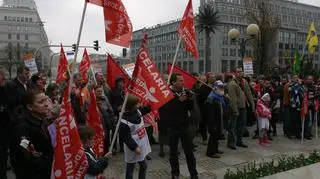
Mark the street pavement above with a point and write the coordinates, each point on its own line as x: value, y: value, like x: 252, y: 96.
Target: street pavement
x: 208, y: 168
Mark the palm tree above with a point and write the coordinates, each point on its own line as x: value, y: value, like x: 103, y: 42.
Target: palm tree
x: 207, y: 21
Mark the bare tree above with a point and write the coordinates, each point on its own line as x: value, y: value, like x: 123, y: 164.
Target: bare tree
x: 11, y: 57
x: 262, y: 13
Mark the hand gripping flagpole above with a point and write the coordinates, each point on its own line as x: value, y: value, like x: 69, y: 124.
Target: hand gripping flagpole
x: 78, y: 42
x: 119, y: 121
x: 174, y: 60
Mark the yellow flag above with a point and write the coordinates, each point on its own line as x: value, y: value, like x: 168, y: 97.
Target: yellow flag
x: 312, y: 39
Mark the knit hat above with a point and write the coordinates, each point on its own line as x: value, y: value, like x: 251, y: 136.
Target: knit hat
x: 132, y: 101
x: 266, y: 97
x: 218, y: 84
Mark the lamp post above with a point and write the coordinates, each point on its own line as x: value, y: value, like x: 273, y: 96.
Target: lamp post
x: 252, y: 32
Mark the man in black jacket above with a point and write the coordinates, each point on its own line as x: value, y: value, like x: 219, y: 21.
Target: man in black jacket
x: 178, y: 127
x: 4, y: 126
x: 17, y: 88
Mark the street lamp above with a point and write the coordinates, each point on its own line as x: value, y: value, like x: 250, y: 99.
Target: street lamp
x: 252, y: 31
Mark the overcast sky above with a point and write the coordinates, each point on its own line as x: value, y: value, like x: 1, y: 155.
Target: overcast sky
x: 62, y: 18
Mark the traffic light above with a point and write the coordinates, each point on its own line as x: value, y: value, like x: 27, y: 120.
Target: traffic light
x: 96, y: 45
x: 74, y: 47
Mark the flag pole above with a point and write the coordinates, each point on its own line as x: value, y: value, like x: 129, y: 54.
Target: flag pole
x: 174, y: 60
x: 119, y: 121
x: 78, y: 42
x: 302, y: 132
x: 94, y: 77
x: 316, y: 118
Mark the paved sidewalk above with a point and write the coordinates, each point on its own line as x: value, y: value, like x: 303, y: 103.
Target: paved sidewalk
x: 159, y: 168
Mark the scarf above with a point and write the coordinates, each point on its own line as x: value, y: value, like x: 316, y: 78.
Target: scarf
x: 214, y: 96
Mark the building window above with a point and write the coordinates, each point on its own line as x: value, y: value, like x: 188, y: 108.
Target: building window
x: 22, y: 19
x: 26, y: 37
x: 9, y: 36
x: 5, y: 18
x: 18, y: 36
x: 30, y: 19
x: 18, y: 19
x: 224, y: 66
x: 27, y: 19
x: 224, y: 52
x: 233, y: 52
x: 26, y: 46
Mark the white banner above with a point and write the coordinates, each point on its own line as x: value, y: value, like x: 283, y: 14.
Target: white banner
x: 31, y: 64
x: 129, y: 68
x: 247, y: 66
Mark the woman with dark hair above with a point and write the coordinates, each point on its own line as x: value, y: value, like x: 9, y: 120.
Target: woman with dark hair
x: 53, y: 92
x: 31, y: 152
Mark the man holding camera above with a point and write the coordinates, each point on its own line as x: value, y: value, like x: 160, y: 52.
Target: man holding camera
x: 178, y: 125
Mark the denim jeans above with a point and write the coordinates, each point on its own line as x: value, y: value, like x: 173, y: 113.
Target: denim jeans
x: 142, y: 171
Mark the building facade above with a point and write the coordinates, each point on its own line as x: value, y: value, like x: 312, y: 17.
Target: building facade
x: 225, y: 54
x: 21, y: 32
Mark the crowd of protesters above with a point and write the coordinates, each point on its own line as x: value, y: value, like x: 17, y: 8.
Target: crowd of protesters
x: 218, y: 107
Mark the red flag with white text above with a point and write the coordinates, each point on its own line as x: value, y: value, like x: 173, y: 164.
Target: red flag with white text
x: 187, y: 31
x: 70, y: 160
x: 189, y: 80
x: 94, y: 121
x: 114, y: 71
x: 147, y: 83
x: 84, y: 65
x: 118, y: 27
x: 62, y: 74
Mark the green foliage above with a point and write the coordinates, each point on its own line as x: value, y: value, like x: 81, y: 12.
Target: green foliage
x: 252, y: 171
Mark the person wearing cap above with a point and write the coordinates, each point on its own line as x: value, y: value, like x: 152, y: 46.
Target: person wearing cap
x: 136, y: 142
x: 264, y: 114
x: 214, y: 108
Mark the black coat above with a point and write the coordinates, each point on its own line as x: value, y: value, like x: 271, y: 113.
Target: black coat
x: 25, y: 163
x: 96, y: 165
x: 15, y: 94
x: 116, y: 99
x: 78, y: 109
x: 178, y: 113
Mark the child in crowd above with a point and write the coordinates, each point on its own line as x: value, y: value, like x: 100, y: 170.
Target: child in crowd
x: 136, y: 142
x: 263, y: 113
x: 96, y: 165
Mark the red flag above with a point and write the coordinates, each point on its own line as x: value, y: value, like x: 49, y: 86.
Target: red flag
x: 304, y: 107
x: 84, y: 65
x: 189, y: 80
x: 114, y: 71
x: 94, y: 121
x: 187, y: 31
x: 69, y: 158
x: 62, y: 74
x: 147, y: 83
x: 117, y: 23
x: 96, y: 2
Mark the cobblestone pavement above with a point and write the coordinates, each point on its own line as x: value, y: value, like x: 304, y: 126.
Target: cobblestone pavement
x: 159, y: 168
